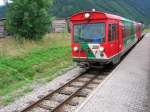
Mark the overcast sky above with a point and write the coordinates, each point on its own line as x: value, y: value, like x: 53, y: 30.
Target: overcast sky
x: 1, y: 2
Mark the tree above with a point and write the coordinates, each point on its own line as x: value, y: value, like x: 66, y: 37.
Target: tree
x: 28, y: 18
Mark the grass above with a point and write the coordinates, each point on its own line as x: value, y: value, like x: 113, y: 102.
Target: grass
x: 29, y: 61
x: 146, y: 30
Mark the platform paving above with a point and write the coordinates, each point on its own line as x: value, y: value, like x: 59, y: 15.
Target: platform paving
x: 127, y: 89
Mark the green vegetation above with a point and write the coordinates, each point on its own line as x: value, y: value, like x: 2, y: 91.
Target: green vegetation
x: 30, y: 61
x: 133, y: 9
x: 147, y: 30
x: 28, y: 18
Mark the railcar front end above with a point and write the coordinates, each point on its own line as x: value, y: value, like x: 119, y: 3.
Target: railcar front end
x: 89, y: 39
x: 99, y: 38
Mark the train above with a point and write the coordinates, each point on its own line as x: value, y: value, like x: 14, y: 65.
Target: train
x: 99, y: 38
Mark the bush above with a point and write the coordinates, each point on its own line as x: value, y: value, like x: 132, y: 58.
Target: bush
x: 28, y: 18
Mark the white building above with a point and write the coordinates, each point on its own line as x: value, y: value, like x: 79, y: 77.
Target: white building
x: 2, y: 28
x: 59, y: 25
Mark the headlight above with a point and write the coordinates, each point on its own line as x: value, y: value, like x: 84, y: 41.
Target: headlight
x: 87, y: 15
x: 101, y: 49
x: 75, y: 48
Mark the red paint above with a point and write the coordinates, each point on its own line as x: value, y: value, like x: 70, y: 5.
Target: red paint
x: 138, y: 30
x: 111, y: 48
x: 77, y: 53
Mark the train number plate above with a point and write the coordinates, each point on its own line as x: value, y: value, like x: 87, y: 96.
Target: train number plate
x: 95, y: 47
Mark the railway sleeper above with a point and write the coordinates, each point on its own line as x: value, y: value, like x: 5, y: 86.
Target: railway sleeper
x: 58, y: 97
x: 67, y: 90
x: 96, y: 81
x: 84, y: 79
x: 38, y: 109
x: 77, y: 84
x: 48, y: 104
x: 91, y: 86
x: 83, y: 93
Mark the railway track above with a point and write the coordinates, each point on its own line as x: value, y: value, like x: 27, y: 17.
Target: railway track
x: 68, y: 97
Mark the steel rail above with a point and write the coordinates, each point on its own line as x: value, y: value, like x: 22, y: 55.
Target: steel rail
x: 72, y: 95
x: 49, y: 95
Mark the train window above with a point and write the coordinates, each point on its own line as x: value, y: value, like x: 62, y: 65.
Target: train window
x: 91, y: 32
x: 128, y: 30
x: 113, y: 32
x: 124, y: 31
x: 110, y: 32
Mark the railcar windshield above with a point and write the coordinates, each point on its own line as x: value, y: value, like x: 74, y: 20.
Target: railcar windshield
x: 91, y: 32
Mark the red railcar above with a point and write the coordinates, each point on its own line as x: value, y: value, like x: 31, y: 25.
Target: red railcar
x: 99, y: 38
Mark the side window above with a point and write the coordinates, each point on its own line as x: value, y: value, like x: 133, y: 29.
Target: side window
x: 124, y: 31
x: 110, y: 32
x: 113, y: 32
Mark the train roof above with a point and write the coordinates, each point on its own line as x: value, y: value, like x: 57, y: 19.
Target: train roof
x: 98, y: 15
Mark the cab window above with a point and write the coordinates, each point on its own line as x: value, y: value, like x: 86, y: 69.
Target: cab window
x: 90, y: 32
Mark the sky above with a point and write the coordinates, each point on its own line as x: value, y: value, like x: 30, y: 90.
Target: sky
x: 1, y: 2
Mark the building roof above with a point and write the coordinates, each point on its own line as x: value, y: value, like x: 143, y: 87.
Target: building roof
x: 59, y: 21
x: 2, y: 19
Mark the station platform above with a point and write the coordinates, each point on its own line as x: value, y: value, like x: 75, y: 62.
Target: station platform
x: 127, y: 88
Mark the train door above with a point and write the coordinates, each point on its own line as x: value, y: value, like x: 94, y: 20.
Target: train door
x: 113, y: 40
x: 138, y: 31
